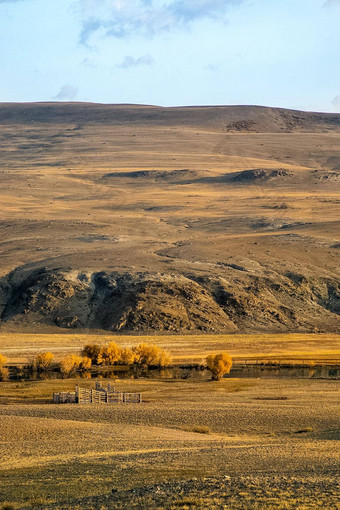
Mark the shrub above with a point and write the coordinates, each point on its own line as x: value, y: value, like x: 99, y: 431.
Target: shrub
x: 112, y: 354
x: 85, y: 363
x: 165, y: 359
x: 109, y: 354
x: 43, y: 361
x: 92, y: 351
x: 127, y: 356
x: 3, y: 360
x: 4, y: 374
x: 149, y: 354
x: 70, y: 363
x: 219, y: 364
x: 198, y: 429
x: 304, y: 431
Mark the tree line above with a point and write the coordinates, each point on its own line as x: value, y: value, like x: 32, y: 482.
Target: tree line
x: 111, y: 354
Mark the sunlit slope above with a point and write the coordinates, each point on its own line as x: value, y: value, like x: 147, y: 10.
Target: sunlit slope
x: 214, y: 219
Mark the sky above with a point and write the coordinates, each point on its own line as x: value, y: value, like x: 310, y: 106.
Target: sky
x: 283, y: 53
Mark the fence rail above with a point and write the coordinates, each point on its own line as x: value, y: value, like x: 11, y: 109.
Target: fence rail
x: 97, y: 396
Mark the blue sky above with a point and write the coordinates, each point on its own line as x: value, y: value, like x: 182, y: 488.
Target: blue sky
x: 170, y: 52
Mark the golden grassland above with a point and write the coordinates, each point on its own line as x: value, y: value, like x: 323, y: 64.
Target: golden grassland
x: 267, y: 430
x: 68, y: 200
x: 18, y: 347
x: 275, y: 441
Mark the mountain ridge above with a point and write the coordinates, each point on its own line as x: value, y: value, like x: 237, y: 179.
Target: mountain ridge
x: 237, y: 208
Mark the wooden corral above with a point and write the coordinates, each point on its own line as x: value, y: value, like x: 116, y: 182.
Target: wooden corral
x: 99, y: 395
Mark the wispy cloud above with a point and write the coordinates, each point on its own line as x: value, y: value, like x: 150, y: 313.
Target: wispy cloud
x: 329, y: 3
x: 336, y: 101
x: 67, y: 92
x: 122, y: 18
x: 89, y: 62
x: 88, y: 28
x: 128, y: 61
x: 212, y: 67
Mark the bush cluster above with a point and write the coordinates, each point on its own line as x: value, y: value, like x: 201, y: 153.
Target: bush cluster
x: 73, y: 362
x: 4, y: 372
x: 219, y: 365
x: 43, y: 361
x: 112, y: 354
x: 143, y: 355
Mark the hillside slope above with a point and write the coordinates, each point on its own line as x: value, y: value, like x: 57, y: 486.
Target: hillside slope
x: 140, y: 218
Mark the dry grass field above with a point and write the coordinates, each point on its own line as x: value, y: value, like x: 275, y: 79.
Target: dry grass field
x: 132, y: 218
x: 20, y: 347
x: 199, y: 229
x: 242, y: 443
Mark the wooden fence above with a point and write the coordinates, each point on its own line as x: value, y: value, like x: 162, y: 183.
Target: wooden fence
x: 96, y: 396
x: 64, y: 398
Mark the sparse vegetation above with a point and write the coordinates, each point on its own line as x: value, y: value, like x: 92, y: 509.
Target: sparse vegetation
x: 72, y: 363
x: 8, y: 506
x: 75, y: 456
x: 43, y: 361
x: 286, y: 348
x: 109, y: 354
x: 304, y: 430
x: 143, y: 354
x: 198, y: 429
x: 250, y: 244
x: 4, y: 373
x: 85, y: 363
x: 93, y: 352
x: 127, y: 356
x: 219, y: 365
x: 149, y: 354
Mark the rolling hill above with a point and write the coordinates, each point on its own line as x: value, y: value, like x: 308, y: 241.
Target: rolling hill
x: 141, y: 218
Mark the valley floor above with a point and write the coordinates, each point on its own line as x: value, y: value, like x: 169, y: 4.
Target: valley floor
x: 256, y: 443
x: 20, y: 347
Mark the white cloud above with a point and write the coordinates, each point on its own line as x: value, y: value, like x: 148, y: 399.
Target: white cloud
x: 336, y: 101
x: 89, y: 62
x: 67, y: 92
x: 329, y: 3
x: 128, y: 61
x: 212, y: 67
x: 122, y: 18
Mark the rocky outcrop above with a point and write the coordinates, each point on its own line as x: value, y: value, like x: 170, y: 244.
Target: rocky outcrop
x: 116, y: 302
x: 249, y: 300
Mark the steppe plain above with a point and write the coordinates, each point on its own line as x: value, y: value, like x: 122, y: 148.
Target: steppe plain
x: 217, y: 222
x: 221, y: 219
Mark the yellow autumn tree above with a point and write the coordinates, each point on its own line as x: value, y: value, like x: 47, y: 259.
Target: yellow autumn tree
x: 3, y: 360
x: 92, y: 351
x: 43, y: 360
x: 127, y: 356
x: 4, y: 372
x: 70, y: 363
x: 150, y: 354
x: 109, y: 354
x: 85, y: 363
x: 219, y: 365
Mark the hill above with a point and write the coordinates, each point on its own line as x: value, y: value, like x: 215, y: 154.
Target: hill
x: 141, y: 218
